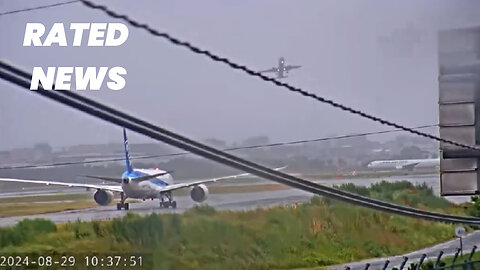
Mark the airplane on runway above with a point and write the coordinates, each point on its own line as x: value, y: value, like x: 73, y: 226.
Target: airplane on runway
x: 139, y: 184
x: 404, y: 164
x: 281, y: 69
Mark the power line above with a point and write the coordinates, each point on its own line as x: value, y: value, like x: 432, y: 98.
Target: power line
x: 39, y: 7
x: 119, y: 118
x: 57, y: 164
x: 248, y: 70
x: 251, y: 72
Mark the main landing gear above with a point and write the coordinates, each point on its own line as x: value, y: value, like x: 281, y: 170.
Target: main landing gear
x: 169, y: 202
x: 122, y: 203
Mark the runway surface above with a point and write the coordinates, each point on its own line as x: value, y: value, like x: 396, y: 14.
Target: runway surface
x: 239, y: 201
x: 230, y: 201
x: 449, y: 248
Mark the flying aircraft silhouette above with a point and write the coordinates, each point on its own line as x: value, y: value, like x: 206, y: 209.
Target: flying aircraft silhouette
x: 281, y: 70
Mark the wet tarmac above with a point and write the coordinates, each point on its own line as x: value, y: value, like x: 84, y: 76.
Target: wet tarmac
x: 227, y: 201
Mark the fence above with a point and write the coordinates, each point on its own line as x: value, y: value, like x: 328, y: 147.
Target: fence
x: 451, y: 263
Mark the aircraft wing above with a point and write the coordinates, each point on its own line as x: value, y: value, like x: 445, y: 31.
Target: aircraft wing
x: 205, y: 181
x: 54, y: 183
x: 290, y: 67
x: 269, y: 70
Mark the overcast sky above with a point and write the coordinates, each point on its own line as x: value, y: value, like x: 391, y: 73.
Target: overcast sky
x: 377, y: 56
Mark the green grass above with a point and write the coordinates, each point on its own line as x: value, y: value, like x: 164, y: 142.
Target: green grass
x: 30, y: 205
x: 46, y: 198
x: 366, y: 174
x: 21, y: 209
x: 318, y: 233
x: 402, y: 192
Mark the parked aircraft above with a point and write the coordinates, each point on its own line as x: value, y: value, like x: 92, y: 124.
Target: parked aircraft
x: 404, y: 164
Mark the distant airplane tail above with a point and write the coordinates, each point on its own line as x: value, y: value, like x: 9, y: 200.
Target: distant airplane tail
x: 127, y: 155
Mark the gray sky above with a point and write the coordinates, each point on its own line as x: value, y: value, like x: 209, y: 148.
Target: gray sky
x: 377, y: 56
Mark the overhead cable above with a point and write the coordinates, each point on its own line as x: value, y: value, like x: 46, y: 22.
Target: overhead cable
x: 69, y: 163
x: 38, y: 7
x: 257, y: 74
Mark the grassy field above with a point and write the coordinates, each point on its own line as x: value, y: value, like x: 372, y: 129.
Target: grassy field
x: 365, y: 174
x: 38, y: 204
x: 20, y: 209
x: 46, y: 198
x: 51, y: 203
x: 319, y: 233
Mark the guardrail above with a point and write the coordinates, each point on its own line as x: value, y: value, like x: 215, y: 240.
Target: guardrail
x: 436, y: 264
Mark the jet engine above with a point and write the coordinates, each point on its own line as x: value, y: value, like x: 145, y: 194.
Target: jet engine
x: 199, y: 193
x: 103, y: 197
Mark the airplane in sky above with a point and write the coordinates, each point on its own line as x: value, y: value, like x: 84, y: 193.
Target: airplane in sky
x: 404, y: 164
x: 139, y: 184
x: 281, y: 70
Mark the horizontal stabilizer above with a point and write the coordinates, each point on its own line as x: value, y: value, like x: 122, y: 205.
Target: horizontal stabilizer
x: 109, y: 179
x: 136, y: 179
x: 147, y: 177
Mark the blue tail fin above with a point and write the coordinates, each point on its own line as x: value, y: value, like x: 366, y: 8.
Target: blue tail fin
x: 127, y: 155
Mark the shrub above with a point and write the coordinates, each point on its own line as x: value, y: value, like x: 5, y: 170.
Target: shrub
x: 475, y: 207
x: 203, y: 209
x: 350, y: 187
x: 176, y: 223
x: 138, y: 230
x: 25, y: 230
x: 97, y: 229
x: 316, y: 200
x: 81, y: 229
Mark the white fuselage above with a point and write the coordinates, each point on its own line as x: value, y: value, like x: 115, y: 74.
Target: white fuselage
x: 147, y: 189
x: 404, y: 163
